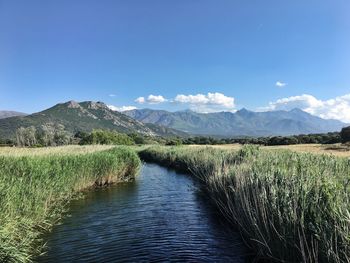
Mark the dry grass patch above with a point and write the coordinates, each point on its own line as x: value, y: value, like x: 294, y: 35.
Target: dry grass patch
x: 338, y: 150
x: 61, y: 150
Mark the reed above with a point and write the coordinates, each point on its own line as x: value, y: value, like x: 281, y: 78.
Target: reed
x: 35, y: 188
x: 289, y: 207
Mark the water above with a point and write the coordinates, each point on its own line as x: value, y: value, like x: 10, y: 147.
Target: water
x: 158, y: 218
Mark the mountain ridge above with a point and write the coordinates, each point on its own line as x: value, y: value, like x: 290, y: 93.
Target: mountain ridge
x: 240, y: 123
x: 83, y: 116
x: 8, y: 113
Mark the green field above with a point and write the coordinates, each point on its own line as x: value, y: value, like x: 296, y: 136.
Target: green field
x: 289, y: 207
x: 36, y: 185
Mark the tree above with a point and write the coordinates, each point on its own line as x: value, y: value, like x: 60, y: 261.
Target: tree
x: 46, y: 136
x: 345, y: 134
x: 26, y: 136
x: 20, y: 136
x: 62, y: 137
x: 51, y: 134
x: 138, y: 138
x: 81, y: 137
x: 173, y: 141
x: 6, y: 141
x: 107, y: 137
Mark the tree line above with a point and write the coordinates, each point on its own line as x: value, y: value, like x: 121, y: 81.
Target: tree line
x: 47, y: 135
x: 55, y: 135
x: 51, y: 134
x: 322, y: 138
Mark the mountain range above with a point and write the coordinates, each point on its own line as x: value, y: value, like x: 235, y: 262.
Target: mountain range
x: 83, y: 116
x: 7, y: 114
x: 89, y: 115
x: 240, y: 123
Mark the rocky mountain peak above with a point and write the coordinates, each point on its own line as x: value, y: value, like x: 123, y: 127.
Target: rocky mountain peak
x: 95, y: 105
x: 73, y: 104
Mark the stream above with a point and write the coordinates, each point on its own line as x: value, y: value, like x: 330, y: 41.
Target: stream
x: 158, y: 218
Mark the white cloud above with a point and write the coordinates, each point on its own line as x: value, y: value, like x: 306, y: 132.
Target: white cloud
x: 140, y: 100
x: 337, y: 108
x: 122, y: 108
x: 111, y: 95
x: 280, y: 84
x: 151, y: 99
x: 211, y: 102
x: 207, y: 103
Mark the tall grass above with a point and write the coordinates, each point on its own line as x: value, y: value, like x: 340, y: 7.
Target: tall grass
x: 34, y: 190
x: 289, y: 207
x: 56, y: 150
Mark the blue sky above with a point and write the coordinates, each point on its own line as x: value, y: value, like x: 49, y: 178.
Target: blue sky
x: 231, y: 53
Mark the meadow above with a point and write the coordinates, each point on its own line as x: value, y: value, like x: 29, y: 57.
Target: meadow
x: 338, y: 150
x: 37, y: 184
x: 289, y: 206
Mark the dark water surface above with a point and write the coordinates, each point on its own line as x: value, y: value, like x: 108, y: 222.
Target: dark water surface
x: 158, y: 218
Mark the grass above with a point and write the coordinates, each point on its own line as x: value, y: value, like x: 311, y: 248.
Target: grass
x: 289, y: 207
x: 36, y: 185
x: 60, y: 150
x: 329, y: 149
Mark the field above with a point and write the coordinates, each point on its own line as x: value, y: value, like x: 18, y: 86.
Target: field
x: 61, y: 150
x: 331, y: 149
x: 36, y: 185
x: 288, y: 206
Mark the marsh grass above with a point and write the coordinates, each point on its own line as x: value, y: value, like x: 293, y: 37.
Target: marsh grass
x: 57, y: 150
x: 35, y: 188
x: 289, y: 207
x: 340, y: 150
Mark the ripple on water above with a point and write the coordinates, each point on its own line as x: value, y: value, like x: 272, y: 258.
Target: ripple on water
x: 157, y: 218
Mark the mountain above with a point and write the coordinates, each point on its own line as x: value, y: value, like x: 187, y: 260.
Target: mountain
x: 240, y: 123
x: 83, y: 116
x: 6, y: 114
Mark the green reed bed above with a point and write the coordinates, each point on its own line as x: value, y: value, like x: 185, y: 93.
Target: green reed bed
x: 35, y: 189
x: 289, y: 207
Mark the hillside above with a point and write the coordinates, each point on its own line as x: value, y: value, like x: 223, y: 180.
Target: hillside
x: 6, y: 114
x: 242, y: 122
x: 84, y: 116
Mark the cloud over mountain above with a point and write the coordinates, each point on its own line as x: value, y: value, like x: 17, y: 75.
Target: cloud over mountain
x: 151, y: 99
x: 207, y: 103
x: 337, y: 108
x: 122, y: 108
x: 210, y: 102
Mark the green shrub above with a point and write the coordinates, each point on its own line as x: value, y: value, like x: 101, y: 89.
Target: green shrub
x: 107, y: 137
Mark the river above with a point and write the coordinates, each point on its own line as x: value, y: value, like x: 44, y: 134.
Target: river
x: 158, y: 218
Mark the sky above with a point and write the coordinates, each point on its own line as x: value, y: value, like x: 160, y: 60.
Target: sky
x: 205, y: 55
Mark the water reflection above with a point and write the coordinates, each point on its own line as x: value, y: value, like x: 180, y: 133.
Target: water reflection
x: 157, y: 218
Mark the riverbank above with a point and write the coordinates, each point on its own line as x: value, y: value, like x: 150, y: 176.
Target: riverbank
x: 289, y: 207
x: 36, y: 186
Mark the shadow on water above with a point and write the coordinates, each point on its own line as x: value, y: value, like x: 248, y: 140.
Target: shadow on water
x: 157, y: 218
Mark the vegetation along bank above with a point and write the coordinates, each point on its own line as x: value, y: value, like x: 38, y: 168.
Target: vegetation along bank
x: 289, y: 207
x: 36, y: 185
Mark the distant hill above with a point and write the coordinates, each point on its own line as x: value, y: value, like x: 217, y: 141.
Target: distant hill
x: 240, y: 123
x: 84, y: 116
x: 6, y: 114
